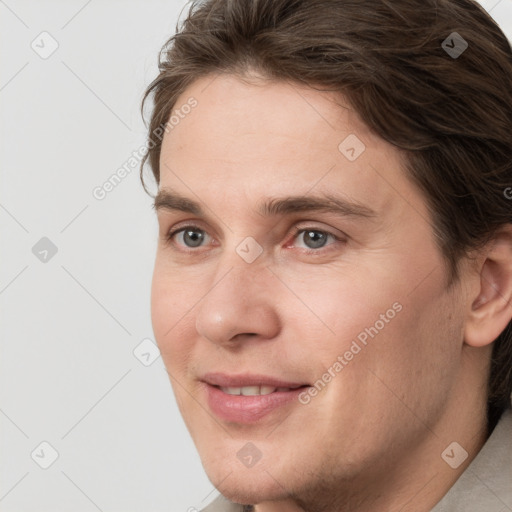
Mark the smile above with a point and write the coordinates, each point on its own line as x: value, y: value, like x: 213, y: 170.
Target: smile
x: 253, y: 390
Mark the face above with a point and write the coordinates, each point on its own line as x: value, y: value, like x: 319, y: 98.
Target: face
x: 295, y: 254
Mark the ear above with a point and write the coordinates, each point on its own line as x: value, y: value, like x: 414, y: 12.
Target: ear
x: 491, y: 308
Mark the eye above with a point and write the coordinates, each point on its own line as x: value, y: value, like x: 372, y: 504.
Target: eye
x: 189, y: 236
x: 313, y: 238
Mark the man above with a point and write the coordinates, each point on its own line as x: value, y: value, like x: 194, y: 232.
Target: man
x: 333, y: 281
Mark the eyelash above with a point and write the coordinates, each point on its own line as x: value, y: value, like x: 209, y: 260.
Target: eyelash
x: 297, y: 230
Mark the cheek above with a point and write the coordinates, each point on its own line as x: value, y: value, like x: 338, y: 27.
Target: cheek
x: 335, y: 306
x: 172, y: 302
x: 162, y: 304
x: 412, y: 362
x: 384, y: 322
x: 173, y: 293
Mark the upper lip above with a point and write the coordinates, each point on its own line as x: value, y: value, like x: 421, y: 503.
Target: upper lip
x: 247, y: 379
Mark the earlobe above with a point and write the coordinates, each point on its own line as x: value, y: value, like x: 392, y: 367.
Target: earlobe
x: 491, y: 309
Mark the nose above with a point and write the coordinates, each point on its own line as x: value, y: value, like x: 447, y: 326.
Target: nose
x: 239, y: 306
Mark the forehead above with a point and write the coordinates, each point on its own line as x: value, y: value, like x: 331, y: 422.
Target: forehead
x: 265, y: 138
x: 231, y: 109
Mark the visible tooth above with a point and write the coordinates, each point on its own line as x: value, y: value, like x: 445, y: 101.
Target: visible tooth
x: 232, y: 391
x: 250, y: 390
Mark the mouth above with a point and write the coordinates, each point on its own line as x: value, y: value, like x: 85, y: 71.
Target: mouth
x: 255, y: 390
x: 247, y: 399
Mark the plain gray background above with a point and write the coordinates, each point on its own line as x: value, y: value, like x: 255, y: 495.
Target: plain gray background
x: 71, y: 321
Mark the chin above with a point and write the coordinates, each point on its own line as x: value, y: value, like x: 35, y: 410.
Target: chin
x: 251, y: 493
x: 242, y: 485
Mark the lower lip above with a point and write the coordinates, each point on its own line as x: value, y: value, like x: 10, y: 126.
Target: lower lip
x: 248, y: 409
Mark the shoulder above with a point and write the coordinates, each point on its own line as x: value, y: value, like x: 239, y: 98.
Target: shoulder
x: 486, y: 485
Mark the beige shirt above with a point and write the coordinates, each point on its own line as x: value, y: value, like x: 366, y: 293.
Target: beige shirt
x: 485, y: 485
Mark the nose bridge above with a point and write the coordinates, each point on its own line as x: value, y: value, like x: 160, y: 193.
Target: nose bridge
x: 238, y: 302
x: 243, y: 267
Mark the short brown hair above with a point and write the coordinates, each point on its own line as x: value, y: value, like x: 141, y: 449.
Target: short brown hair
x: 451, y: 114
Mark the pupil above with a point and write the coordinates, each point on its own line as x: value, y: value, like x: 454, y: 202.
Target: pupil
x: 314, y: 239
x: 193, y: 238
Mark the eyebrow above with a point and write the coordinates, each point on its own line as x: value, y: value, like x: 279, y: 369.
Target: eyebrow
x: 167, y: 200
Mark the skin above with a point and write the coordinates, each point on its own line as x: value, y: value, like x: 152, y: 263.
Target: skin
x: 372, y: 439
